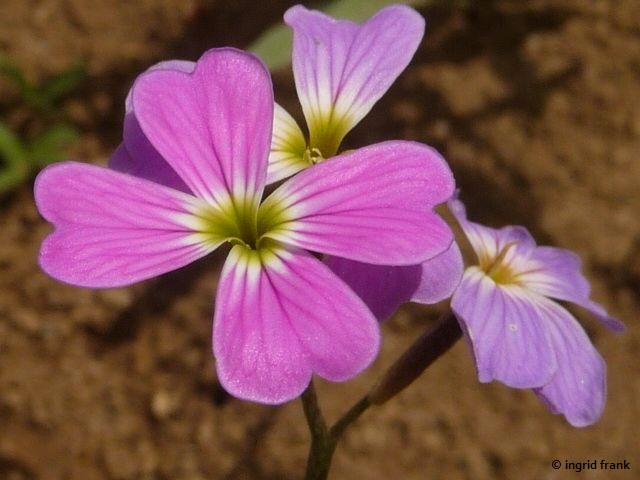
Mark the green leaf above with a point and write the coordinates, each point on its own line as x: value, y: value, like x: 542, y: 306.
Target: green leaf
x: 12, y: 150
x: 274, y: 45
x: 42, y: 98
x: 50, y: 145
x: 360, y: 10
x: 62, y: 84
x: 15, y: 166
x: 13, y: 73
x: 11, y: 178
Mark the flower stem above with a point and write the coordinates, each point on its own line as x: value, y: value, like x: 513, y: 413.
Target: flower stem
x: 422, y: 353
x: 351, y: 416
x: 324, y: 440
x: 322, y: 446
x: 425, y: 350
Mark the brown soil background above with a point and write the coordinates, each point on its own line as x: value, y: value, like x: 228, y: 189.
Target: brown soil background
x: 536, y: 104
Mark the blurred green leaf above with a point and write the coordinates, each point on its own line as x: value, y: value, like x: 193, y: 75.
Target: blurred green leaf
x: 12, y: 151
x: 14, y: 169
x: 50, y: 145
x: 19, y: 159
x: 11, y: 178
x: 13, y: 73
x: 360, y: 10
x: 61, y: 84
x: 42, y: 98
x: 274, y: 45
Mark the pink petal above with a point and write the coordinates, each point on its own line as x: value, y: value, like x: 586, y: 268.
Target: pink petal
x: 282, y: 315
x: 384, y: 288
x: 113, y: 229
x: 372, y: 205
x: 177, y: 65
x: 288, y: 147
x: 507, y: 331
x: 212, y: 126
x: 342, y: 69
x: 135, y: 155
x: 578, y: 390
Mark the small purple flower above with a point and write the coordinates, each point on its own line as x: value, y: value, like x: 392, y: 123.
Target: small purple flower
x: 341, y: 70
x: 280, y: 313
x: 520, y: 336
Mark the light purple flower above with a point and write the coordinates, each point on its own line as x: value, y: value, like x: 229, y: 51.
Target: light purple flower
x: 520, y: 336
x: 280, y: 313
x: 341, y: 70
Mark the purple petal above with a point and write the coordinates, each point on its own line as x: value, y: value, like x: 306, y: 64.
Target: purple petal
x: 578, y: 390
x: 342, y: 69
x: 288, y: 147
x: 136, y: 156
x: 487, y: 242
x: 113, y: 229
x: 440, y: 276
x: 281, y: 316
x: 556, y: 273
x: 372, y: 205
x: 549, y: 271
x: 507, y: 331
x: 212, y: 126
x: 384, y: 288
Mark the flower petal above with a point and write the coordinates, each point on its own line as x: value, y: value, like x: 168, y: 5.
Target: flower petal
x: 136, y: 156
x: 288, y: 147
x: 440, y: 276
x: 488, y: 242
x: 280, y: 316
x: 212, y: 126
x: 185, y: 66
x: 372, y: 205
x: 578, y: 390
x: 506, y: 329
x: 556, y: 273
x: 384, y: 288
x: 113, y: 229
x: 342, y: 69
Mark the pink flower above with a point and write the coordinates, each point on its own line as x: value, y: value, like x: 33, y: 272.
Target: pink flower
x: 520, y: 336
x: 280, y: 314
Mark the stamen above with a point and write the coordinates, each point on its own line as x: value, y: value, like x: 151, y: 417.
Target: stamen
x: 499, y: 270
x: 313, y: 155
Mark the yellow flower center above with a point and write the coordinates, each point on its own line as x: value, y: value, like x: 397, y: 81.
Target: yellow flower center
x: 498, y: 267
